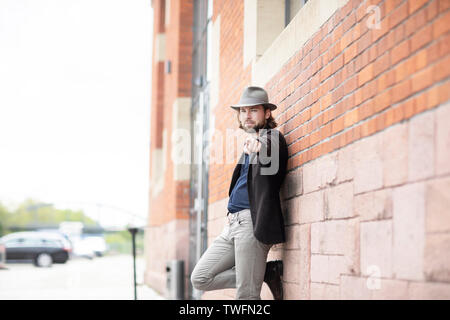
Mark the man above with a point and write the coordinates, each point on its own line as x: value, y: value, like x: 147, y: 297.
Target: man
x: 237, y: 258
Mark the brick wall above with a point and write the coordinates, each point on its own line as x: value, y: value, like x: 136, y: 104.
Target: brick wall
x: 233, y: 80
x: 365, y: 112
x: 167, y: 234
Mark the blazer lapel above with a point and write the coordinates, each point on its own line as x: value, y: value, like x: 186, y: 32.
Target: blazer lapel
x: 236, y: 173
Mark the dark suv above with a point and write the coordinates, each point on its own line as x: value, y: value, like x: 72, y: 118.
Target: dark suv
x: 40, y: 248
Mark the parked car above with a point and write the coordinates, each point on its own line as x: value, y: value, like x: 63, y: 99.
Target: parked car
x: 82, y: 248
x: 43, y: 249
x: 97, y: 244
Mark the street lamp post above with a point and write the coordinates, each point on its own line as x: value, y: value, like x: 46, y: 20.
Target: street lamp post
x: 133, y: 232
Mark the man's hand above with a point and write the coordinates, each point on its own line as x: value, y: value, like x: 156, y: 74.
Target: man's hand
x: 251, y: 145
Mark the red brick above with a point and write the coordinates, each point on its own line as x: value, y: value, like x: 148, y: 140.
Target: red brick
x: 443, y: 5
x: 415, y: 22
x: 346, y: 39
x: 382, y: 101
x: 391, y: 5
x: 365, y: 75
x: 432, y: 10
x: 414, y: 5
x: 381, y: 64
x: 401, y: 91
x: 441, y: 70
x: 442, y: 25
x: 420, y: 60
x: 369, y: 90
x: 384, y: 29
x: 364, y: 42
x: 422, y: 79
x: 421, y: 38
x: 398, y: 15
x: 400, y: 52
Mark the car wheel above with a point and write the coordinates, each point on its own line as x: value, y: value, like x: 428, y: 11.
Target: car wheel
x: 44, y: 260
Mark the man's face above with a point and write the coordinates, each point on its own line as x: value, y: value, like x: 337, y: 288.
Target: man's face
x: 253, y: 118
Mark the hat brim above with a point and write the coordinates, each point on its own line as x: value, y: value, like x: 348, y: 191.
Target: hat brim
x: 270, y: 105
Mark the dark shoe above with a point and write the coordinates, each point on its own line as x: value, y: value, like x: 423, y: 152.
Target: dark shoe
x: 273, y: 278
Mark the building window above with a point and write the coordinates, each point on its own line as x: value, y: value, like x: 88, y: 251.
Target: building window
x: 291, y: 8
x: 264, y: 21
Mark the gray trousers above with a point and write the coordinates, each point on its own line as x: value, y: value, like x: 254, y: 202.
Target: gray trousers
x: 236, y: 259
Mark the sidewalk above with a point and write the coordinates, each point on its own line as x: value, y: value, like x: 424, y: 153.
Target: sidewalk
x: 144, y: 292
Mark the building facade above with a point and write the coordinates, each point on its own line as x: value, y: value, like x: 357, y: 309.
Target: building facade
x: 362, y: 89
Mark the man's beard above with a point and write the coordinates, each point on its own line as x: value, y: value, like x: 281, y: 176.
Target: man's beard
x: 255, y: 128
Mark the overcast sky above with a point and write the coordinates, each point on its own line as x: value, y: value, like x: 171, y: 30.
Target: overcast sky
x: 75, y: 88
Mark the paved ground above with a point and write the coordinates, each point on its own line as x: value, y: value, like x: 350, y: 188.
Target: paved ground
x: 103, y: 278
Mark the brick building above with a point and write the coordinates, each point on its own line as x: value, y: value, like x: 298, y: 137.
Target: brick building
x: 362, y: 89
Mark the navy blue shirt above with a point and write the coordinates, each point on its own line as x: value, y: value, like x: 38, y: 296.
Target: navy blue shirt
x: 239, y: 195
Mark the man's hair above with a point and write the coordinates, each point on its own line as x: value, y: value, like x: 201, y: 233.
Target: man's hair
x: 270, y: 123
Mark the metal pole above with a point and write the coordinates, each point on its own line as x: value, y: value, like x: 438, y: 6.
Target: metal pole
x: 133, y: 236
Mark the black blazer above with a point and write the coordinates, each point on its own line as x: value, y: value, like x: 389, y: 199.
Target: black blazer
x: 266, y: 173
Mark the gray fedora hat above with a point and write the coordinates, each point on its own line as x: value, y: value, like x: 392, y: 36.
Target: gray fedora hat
x: 253, y: 96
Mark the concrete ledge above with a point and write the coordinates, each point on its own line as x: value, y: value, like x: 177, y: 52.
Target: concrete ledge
x: 307, y: 22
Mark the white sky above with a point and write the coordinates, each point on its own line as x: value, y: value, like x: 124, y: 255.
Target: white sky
x: 75, y: 88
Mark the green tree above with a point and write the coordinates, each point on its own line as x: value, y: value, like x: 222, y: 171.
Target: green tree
x: 30, y: 212
x: 3, y: 219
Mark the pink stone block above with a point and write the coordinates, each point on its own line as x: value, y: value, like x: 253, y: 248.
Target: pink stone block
x: 338, y: 237
x: 291, y: 291
x: 376, y: 247
x: 328, y: 169
x: 395, y: 155
x: 311, y: 176
x: 291, y: 266
x: 438, y: 205
x: 292, y: 236
x: 293, y: 184
x: 339, y: 201
x: 368, y: 164
x: 292, y: 211
x: 375, y: 205
x: 319, y: 268
x: 409, y: 231
x: 335, y: 237
x: 312, y: 207
x: 345, y: 169
x: 391, y: 290
x: 437, y: 257
x: 429, y: 291
x: 305, y: 261
x: 322, y: 291
x: 327, y: 268
x: 443, y: 139
x: 319, y: 173
x: 421, y: 147
x: 354, y: 288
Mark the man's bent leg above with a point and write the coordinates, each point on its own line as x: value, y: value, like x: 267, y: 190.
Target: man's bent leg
x: 251, y: 256
x: 215, y: 269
